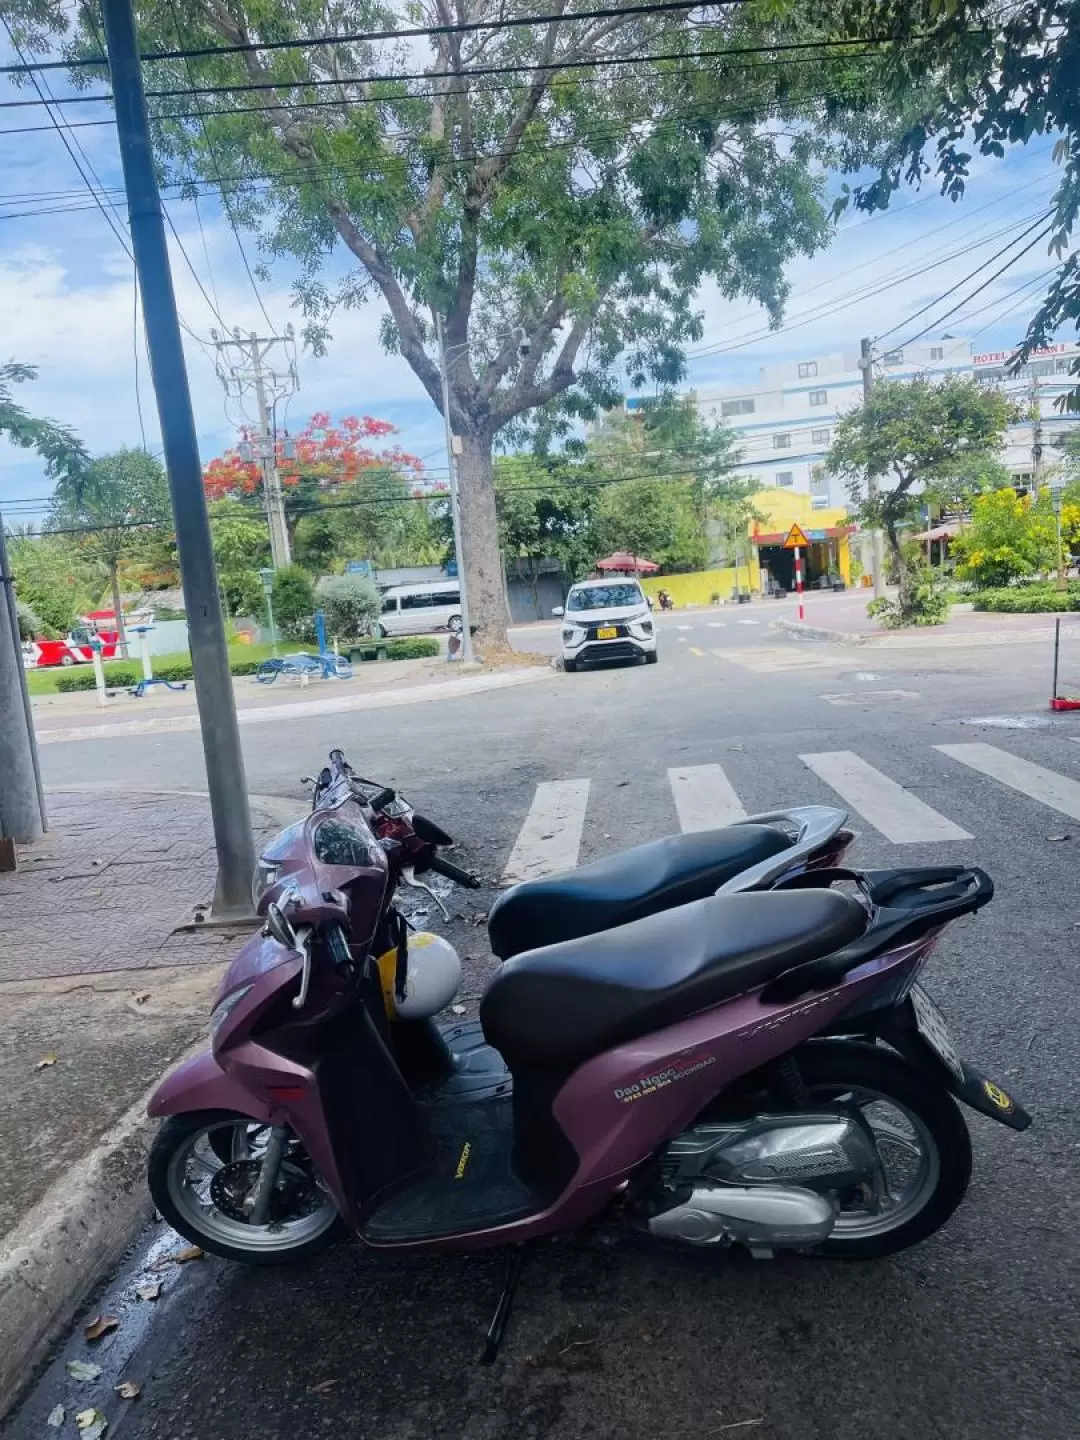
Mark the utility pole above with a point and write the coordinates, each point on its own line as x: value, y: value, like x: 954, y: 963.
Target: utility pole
x: 455, y: 507
x: 244, y: 370
x: 22, y: 802
x: 1036, y: 434
x: 206, y: 627
x: 877, y: 551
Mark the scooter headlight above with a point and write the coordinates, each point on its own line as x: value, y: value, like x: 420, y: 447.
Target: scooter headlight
x: 266, y: 874
x: 224, y: 1008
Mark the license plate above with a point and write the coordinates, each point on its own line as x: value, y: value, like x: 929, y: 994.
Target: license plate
x: 935, y: 1031
x: 607, y: 632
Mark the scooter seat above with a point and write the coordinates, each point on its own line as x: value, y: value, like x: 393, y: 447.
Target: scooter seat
x: 627, y: 886
x: 557, y: 1007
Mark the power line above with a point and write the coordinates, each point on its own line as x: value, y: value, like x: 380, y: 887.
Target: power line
x: 212, y: 152
x: 961, y: 303
x: 367, y: 37
x: 553, y: 67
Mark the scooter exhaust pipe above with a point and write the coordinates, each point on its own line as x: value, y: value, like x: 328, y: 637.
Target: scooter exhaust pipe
x: 762, y: 1217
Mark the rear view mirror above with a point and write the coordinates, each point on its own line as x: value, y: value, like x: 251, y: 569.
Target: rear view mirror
x: 558, y: 610
x: 279, y: 926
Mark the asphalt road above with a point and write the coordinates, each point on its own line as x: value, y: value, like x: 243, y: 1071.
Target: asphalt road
x: 975, y: 1334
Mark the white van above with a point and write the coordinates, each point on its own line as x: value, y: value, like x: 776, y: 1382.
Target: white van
x: 416, y: 609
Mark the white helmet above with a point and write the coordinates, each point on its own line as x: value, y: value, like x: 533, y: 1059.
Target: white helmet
x: 434, y: 974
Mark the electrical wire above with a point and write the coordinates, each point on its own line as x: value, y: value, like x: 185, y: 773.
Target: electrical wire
x: 367, y: 37
x: 135, y: 351
x: 978, y: 290
x: 553, y: 67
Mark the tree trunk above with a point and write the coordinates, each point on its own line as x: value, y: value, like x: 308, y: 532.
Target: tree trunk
x: 114, y: 581
x: 481, y: 562
x: 904, y: 575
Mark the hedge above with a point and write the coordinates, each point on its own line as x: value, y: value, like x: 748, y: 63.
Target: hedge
x: 119, y: 676
x: 1028, y: 600
x: 412, y: 647
x: 83, y: 679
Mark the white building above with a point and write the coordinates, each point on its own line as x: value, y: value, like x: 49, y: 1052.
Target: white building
x: 787, y: 419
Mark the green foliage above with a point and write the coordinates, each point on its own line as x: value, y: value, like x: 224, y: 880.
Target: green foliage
x: 926, y: 604
x: 351, y: 602
x: 1028, y: 600
x: 31, y: 625
x: 1009, y: 537
x: 916, y: 438
x: 547, y: 509
x: 409, y: 647
x: 294, y: 602
x: 241, y: 547
x: 64, y: 454
x: 544, y: 205
x: 82, y: 678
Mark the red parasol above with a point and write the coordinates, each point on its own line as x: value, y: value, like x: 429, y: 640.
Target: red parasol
x: 622, y: 561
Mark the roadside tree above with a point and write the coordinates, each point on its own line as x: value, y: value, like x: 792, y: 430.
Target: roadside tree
x: 352, y: 605
x: 558, y: 190
x: 911, y: 437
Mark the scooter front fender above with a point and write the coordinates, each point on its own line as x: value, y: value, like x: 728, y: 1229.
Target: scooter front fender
x: 201, y: 1084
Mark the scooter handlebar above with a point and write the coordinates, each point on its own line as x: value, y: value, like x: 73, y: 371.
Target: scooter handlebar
x: 455, y: 873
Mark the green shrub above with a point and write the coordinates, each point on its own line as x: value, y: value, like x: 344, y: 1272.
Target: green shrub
x: 294, y: 602
x: 1028, y: 600
x: 177, y: 670
x: 244, y: 667
x: 351, y: 602
x: 116, y: 676
x: 31, y: 624
x: 413, y: 647
x: 927, y: 605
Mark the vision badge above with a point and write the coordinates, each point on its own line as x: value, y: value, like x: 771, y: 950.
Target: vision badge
x: 998, y: 1097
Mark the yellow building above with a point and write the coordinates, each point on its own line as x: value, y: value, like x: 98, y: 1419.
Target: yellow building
x: 762, y: 555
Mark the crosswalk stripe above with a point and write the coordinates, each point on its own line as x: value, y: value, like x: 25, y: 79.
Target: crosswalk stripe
x: 1055, y: 791
x: 704, y: 798
x: 900, y: 816
x: 715, y: 624
x: 550, y: 838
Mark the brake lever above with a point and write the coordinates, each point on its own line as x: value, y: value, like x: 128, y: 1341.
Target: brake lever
x: 408, y: 877
x: 303, y: 947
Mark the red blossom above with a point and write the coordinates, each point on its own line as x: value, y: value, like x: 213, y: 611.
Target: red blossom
x: 330, y: 454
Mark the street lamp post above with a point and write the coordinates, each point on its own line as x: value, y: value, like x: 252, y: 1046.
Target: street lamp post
x: 267, y: 578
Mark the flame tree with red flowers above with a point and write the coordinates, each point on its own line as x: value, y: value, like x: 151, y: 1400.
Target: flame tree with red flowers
x: 345, y: 497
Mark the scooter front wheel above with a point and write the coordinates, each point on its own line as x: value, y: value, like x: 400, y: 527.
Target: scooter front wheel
x: 202, y: 1174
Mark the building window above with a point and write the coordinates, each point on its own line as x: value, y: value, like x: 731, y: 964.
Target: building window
x: 1061, y: 365
x: 736, y: 407
x: 937, y: 352
x: 821, y: 437
x: 819, y: 502
x: 807, y: 369
x: 894, y: 357
x: 782, y: 441
x: 819, y: 397
x: 785, y: 477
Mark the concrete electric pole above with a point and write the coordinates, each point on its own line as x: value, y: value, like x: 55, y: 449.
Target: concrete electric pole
x: 455, y: 505
x: 877, y: 549
x: 22, y: 803
x: 242, y: 366
x: 206, y: 627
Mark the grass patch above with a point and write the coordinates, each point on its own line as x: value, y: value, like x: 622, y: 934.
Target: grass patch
x: 243, y: 660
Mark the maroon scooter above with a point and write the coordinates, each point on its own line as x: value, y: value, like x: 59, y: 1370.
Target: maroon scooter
x: 759, y: 1068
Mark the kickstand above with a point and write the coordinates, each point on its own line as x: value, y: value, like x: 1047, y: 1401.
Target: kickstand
x: 501, y: 1318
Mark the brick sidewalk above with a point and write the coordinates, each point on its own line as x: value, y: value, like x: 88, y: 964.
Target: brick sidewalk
x: 103, y: 890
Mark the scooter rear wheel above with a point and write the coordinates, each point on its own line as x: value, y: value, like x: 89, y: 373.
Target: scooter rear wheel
x: 921, y: 1136
x: 201, y: 1165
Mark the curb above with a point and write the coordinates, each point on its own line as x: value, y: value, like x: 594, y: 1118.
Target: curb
x: 63, y: 1247
x: 815, y: 632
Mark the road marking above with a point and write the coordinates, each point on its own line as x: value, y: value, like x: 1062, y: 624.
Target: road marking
x: 684, y: 627
x: 704, y: 799
x: 683, y: 640
x: 749, y: 622
x: 695, y: 651
x: 764, y: 660
x: 550, y: 836
x: 715, y: 624
x: 859, y: 697
x: 1055, y: 791
x: 900, y: 816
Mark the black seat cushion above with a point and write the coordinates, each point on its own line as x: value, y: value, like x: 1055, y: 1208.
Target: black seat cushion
x: 627, y: 886
x: 559, y: 1006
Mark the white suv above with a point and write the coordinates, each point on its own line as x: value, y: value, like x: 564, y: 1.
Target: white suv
x: 606, y: 620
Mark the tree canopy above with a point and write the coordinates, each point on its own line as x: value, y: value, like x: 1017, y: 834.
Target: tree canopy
x: 557, y: 191
x: 917, y: 438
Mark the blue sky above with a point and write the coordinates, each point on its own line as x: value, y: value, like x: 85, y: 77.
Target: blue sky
x: 66, y: 298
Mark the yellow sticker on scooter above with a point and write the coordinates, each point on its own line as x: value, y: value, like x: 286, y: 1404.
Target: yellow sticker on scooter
x: 997, y: 1096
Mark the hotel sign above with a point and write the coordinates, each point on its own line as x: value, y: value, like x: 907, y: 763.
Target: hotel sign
x: 996, y: 357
